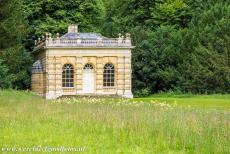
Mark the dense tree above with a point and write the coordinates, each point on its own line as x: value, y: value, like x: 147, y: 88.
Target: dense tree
x: 155, y: 60
x: 55, y: 16
x: 5, y: 77
x: 194, y: 59
x: 14, y: 59
x: 206, y: 66
x: 12, y: 26
x: 18, y: 62
x: 171, y: 12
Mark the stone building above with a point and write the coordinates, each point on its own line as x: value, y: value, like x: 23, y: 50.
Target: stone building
x: 82, y: 64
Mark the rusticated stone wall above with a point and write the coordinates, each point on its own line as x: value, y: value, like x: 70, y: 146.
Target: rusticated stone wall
x: 38, y: 80
x: 37, y: 86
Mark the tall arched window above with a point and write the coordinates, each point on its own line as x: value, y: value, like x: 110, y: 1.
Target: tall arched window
x: 67, y: 76
x: 108, y: 75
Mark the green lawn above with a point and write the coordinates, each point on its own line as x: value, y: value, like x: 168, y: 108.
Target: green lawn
x: 198, y: 101
x: 158, y: 124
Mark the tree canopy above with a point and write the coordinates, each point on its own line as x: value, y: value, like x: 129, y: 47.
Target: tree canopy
x: 181, y: 45
x: 14, y: 59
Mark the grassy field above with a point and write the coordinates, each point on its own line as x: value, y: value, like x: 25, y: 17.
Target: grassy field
x: 216, y: 101
x: 157, y: 124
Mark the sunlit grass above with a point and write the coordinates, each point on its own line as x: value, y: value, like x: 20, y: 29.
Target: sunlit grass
x: 113, y: 125
x: 216, y: 101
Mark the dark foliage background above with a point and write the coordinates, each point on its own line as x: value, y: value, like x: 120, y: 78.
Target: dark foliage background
x: 181, y: 45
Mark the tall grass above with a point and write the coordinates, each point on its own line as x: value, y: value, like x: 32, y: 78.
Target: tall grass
x: 109, y: 125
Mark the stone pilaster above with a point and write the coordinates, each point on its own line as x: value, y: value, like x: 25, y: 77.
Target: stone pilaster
x: 99, y: 75
x: 120, y: 75
x: 50, y: 78
x: 58, y: 76
x: 78, y: 74
x: 75, y: 74
x: 128, y: 78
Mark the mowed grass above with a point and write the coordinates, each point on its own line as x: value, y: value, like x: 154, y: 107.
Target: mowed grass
x: 160, y: 124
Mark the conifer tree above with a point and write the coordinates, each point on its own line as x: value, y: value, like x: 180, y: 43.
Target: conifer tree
x: 13, y: 57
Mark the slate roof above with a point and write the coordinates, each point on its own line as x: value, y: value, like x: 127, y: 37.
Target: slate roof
x: 37, y: 67
x: 83, y: 36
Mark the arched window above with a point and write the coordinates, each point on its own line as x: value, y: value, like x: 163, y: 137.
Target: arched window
x: 108, y: 75
x: 67, y: 76
x: 88, y: 66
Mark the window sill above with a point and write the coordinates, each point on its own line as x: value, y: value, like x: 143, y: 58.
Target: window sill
x: 68, y: 87
x: 109, y: 87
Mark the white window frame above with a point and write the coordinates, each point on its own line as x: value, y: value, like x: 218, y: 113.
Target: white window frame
x: 109, y: 76
x: 68, y: 76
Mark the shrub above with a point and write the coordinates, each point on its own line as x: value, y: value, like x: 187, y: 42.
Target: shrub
x: 144, y: 92
x: 5, y: 78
